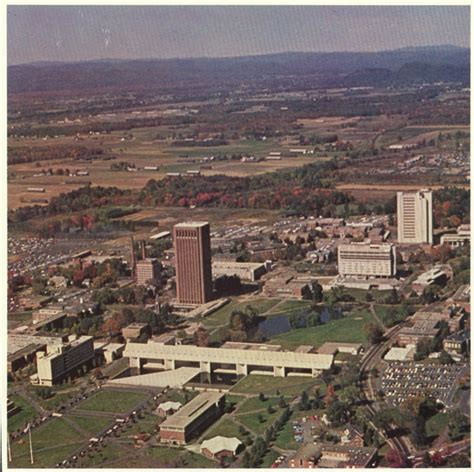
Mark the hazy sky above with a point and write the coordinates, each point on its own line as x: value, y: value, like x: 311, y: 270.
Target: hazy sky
x: 73, y: 33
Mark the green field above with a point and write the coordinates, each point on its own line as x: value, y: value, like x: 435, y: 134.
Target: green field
x: 110, y: 452
x: 26, y: 413
x: 52, y: 442
x: 360, y: 294
x: 253, y: 404
x: 222, y: 316
x: 349, y: 330
x: 288, y: 307
x: 269, y: 385
x: 164, y: 456
x: 224, y: 427
x: 436, y: 424
x: 91, y: 424
x: 251, y: 421
x: 113, y: 401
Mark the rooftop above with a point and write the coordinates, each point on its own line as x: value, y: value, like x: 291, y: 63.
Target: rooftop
x: 192, y: 410
x: 191, y: 224
x: 221, y: 443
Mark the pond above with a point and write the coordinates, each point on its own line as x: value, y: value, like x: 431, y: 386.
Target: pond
x: 279, y: 324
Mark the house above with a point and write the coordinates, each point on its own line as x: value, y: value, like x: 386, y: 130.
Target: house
x: 219, y: 447
x: 457, y: 343
x: 353, y: 436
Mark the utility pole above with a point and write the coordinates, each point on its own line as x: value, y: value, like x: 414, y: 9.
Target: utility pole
x: 9, y: 448
x: 31, y: 444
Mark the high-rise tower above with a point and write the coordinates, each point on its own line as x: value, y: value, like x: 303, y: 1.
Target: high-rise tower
x: 415, y: 217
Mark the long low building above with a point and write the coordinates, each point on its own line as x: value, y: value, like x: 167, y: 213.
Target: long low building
x: 367, y: 260
x: 244, y: 270
x: 241, y: 361
x: 192, y: 418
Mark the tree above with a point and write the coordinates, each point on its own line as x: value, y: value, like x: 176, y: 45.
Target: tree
x: 317, y: 292
x: 419, y: 431
x: 330, y: 395
x: 201, y: 337
x: 262, y: 397
x: 458, y: 425
x: 374, y: 333
x: 394, y: 459
x: 304, y: 402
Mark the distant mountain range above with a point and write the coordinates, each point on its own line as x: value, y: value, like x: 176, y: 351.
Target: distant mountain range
x: 407, y: 65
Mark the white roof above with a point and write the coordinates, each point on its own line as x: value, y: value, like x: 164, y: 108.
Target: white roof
x: 399, y: 353
x: 221, y: 443
x: 166, y: 406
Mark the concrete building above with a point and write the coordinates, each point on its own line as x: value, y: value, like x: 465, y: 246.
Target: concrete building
x: 244, y: 270
x: 438, y: 275
x: 193, y: 262
x: 286, y: 287
x: 366, y: 260
x: 193, y: 418
x: 234, y: 358
x: 148, y: 270
x: 168, y: 408
x: 219, y: 447
x: 415, y: 217
x: 421, y: 330
x: 347, y: 457
x: 460, y: 238
x: 59, y: 361
x: 134, y: 330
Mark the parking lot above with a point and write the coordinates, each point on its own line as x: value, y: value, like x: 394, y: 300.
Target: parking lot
x: 402, y: 380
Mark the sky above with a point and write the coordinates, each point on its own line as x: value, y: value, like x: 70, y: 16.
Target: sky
x: 77, y: 33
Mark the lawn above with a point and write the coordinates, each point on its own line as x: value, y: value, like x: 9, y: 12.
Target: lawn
x: 91, y: 424
x: 55, y: 437
x: 145, y: 425
x: 436, y: 424
x: 26, y: 413
x: 224, y: 427
x: 251, y: 421
x: 269, y: 385
x: 113, y: 401
x: 165, y: 456
x: 111, y: 452
x: 253, y: 404
x: 221, y: 316
x: 360, y: 294
x: 349, y: 330
x: 288, y: 307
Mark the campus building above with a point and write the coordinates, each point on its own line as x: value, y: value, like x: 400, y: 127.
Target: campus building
x: 460, y: 238
x: 148, y: 270
x: 244, y: 270
x: 232, y: 358
x: 191, y: 419
x: 415, y: 217
x: 366, y: 260
x: 193, y: 262
x: 59, y: 361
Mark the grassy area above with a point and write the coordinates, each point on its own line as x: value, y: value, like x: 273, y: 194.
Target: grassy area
x: 224, y: 427
x: 436, y: 424
x: 194, y: 461
x: 166, y: 456
x: 360, y: 294
x: 270, y: 385
x: 26, y: 413
x: 110, y: 452
x: 349, y: 329
x: 255, y: 403
x: 221, y: 316
x: 179, y: 396
x: 91, y: 424
x: 288, y: 307
x: 52, y: 442
x: 113, y: 401
x: 285, y: 438
x: 259, y: 422
x: 145, y: 425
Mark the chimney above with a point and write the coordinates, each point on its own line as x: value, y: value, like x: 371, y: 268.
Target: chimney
x: 132, y: 252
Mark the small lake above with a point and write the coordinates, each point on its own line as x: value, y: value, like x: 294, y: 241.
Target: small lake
x: 279, y: 324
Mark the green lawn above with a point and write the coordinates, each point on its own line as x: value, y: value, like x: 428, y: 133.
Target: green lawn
x: 165, y: 456
x: 288, y: 307
x: 436, y: 424
x: 349, y: 329
x: 360, y: 294
x: 285, y: 438
x: 26, y: 413
x: 269, y: 385
x: 255, y: 403
x: 178, y: 396
x: 145, y: 425
x: 224, y: 427
x: 113, y: 401
x: 110, y: 452
x: 221, y: 316
x: 195, y: 461
x: 52, y: 442
x: 251, y: 421
x: 91, y: 424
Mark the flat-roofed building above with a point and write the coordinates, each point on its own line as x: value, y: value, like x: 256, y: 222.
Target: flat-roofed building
x: 193, y: 418
x: 366, y: 260
x: 438, y: 275
x: 415, y: 217
x: 134, y: 330
x: 237, y: 358
x: 460, y: 238
x: 244, y: 270
x: 192, y: 243
x: 148, y: 271
x: 169, y: 408
x: 421, y: 330
x: 286, y: 287
x: 347, y: 457
x: 306, y: 457
x: 62, y: 360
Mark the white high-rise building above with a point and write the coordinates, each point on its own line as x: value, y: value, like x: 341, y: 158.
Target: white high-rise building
x: 415, y: 217
x: 367, y: 260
